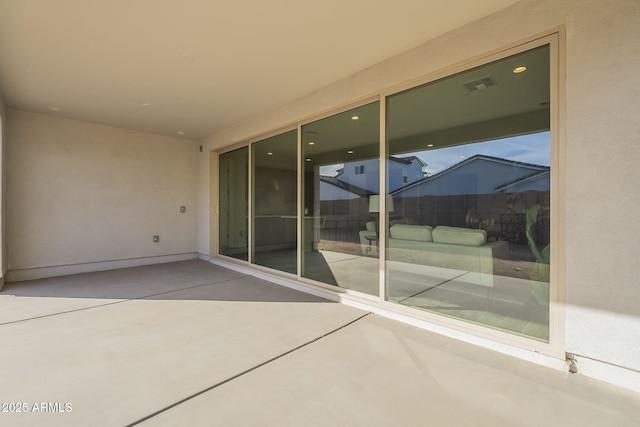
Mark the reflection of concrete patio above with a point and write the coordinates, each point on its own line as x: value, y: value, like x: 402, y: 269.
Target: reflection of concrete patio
x: 501, y: 302
x: 345, y: 270
x: 190, y: 343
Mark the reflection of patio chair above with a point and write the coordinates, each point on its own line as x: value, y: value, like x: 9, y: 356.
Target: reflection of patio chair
x: 512, y: 228
x: 540, y: 272
x: 369, y: 239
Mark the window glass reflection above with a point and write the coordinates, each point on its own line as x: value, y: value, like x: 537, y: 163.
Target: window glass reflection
x: 233, y: 197
x: 274, y: 183
x: 470, y: 239
x: 341, y: 176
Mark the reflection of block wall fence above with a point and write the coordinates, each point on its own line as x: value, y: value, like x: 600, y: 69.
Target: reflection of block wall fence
x: 343, y: 219
x: 341, y: 228
x: 452, y: 210
x: 357, y: 207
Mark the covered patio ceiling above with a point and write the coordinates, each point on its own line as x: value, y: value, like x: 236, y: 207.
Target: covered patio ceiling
x: 187, y: 69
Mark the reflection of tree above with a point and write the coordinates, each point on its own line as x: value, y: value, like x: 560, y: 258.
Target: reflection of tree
x: 515, y: 203
x: 540, y: 272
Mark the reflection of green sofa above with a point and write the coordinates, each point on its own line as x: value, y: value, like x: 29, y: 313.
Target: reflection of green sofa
x: 458, y: 248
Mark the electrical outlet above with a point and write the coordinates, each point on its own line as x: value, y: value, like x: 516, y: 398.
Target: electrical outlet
x: 156, y: 238
x: 183, y: 209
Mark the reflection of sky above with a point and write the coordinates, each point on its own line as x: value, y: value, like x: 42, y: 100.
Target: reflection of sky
x: 532, y: 148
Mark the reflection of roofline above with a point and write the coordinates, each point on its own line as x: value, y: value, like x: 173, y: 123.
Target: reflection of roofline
x: 407, y: 160
x: 516, y: 182
x: 455, y: 166
x: 345, y: 186
x: 404, y: 160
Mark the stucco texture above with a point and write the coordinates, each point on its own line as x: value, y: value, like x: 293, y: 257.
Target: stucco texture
x: 603, y: 136
x: 81, y: 193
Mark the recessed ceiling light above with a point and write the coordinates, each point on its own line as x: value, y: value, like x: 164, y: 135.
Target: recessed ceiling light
x: 269, y: 153
x: 520, y: 69
x: 355, y: 118
x: 350, y: 152
x: 429, y: 145
x: 180, y: 132
x: 54, y: 108
x: 311, y: 143
x: 144, y: 103
x: 308, y: 159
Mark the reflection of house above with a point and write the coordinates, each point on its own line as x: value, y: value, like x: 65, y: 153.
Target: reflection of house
x: 476, y: 189
x: 479, y: 174
x: 344, y: 209
x: 366, y: 173
x: 464, y: 178
x: 345, y: 196
x: 536, y: 182
x: 332, y: 188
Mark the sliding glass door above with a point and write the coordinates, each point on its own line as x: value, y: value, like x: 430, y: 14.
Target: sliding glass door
x: 456, y: 199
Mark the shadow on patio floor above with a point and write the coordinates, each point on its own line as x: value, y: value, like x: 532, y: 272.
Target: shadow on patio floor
x: 194, y: 279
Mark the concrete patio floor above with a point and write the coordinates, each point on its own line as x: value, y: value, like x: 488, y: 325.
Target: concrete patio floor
x: 194, y: 344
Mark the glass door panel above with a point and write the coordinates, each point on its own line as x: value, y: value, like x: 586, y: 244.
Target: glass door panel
x: 470, y: 238
x: 233, y: 202
x: 274, y: 183
x: 341, y: 178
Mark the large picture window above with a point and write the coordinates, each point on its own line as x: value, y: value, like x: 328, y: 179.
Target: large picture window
x: 471, y: 238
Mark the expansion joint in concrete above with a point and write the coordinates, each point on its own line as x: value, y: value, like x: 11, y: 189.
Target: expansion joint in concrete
x: 247, y: 371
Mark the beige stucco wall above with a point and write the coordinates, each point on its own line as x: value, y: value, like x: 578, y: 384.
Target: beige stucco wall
x: 3, y: 138
x: 602, y: 155
x: 83, y: 193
